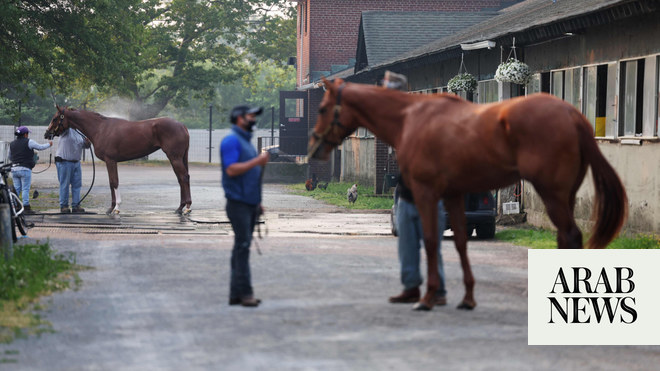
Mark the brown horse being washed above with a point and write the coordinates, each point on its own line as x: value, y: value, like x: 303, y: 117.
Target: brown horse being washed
x: 447, y: 146
x: 117, y: 140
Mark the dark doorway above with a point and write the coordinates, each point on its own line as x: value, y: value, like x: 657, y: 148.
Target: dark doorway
x: 294, y: 118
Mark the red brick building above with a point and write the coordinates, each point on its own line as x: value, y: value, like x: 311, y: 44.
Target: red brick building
x: 328, y: 29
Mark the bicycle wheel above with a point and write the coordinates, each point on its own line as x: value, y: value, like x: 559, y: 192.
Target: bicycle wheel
x: 21, y: 224
x: 6, y: 199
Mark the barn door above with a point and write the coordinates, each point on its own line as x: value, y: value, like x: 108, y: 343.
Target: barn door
x: 294, y: 119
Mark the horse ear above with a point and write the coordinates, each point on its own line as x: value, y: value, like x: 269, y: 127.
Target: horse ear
x: 328, y: 84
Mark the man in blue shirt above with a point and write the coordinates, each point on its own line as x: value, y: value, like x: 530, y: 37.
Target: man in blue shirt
x: 241, y: 181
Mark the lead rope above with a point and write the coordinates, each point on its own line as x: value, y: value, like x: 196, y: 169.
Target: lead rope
x: 93, y: 169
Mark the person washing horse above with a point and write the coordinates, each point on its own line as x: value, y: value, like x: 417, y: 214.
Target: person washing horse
x: 241, y: 181
x: 69, y: 171
x: 409, y: 228
x: 21, y: 153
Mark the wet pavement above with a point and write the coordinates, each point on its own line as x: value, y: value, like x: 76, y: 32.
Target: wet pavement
x: 158, y: 300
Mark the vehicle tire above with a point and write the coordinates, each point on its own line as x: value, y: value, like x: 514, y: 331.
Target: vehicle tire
x: 21, y: 224
x: 486, y: 231
x: 6, y: 199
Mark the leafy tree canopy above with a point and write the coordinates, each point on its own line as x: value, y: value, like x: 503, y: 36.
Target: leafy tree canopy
x: 154, y: 53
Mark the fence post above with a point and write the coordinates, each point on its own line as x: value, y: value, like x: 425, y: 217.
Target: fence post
x: 6, y: 241
x: 210, y: 131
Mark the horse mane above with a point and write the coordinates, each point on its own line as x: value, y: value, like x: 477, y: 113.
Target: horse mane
x: 89, y: 113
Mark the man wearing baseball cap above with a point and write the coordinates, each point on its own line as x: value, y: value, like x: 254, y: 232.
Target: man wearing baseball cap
x: 241, y: 181
x: 21, y: 153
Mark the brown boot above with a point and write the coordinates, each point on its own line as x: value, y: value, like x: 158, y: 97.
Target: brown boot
x: 65, y: 210
x: 77, y: 210
x: 250, y: 301
x: 28, y: 210
x: 407, y: 296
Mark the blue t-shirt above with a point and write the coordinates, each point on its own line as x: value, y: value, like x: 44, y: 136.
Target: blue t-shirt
x: 236, y: 147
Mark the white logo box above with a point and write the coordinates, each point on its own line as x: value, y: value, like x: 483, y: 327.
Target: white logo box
x: 634, y: 316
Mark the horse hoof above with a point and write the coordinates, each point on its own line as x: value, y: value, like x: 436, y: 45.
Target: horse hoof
x: 421, y: 306
x: 466, y: 306
x: 186, y: 212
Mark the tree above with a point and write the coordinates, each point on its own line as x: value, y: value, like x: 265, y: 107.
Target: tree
x: 154, y: 53
x: 67, y: 43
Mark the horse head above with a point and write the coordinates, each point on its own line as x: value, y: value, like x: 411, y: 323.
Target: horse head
x: 58, y: 124
x: 333, y: 123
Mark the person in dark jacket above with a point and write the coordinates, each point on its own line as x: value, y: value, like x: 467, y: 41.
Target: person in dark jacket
x: 21, y: 153
x: 241, y: 181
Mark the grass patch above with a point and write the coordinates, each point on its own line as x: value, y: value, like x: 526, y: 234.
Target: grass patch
x: 544, y: 239
x: 335, y: 194
x: 34, y: 271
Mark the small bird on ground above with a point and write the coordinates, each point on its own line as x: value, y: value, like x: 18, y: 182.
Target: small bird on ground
x: 323, y: 186
x: 35, y: 194
x: 352, y: 194
x: 310, y: 184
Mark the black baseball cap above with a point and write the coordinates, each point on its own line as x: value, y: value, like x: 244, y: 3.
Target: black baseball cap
x: 243, y: 110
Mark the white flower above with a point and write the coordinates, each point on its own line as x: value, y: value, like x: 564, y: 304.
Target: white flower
x: 513, y: 71
x: 462, y: 82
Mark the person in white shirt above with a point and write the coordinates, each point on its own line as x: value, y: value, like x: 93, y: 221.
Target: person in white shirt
x: 69, y: 172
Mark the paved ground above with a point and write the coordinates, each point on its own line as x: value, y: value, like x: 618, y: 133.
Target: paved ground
x: 158, y: 300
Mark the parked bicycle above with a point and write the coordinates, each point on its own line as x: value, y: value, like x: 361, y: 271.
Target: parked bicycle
x: 8, y: 196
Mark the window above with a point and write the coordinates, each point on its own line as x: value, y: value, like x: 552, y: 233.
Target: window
x: 487, y: 91
x: 595, y: 97
x: 631, y: 91
x: 566, y: 85
x: 540, y: 82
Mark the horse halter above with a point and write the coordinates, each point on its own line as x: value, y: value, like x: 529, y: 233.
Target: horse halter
x: 321, y: 138
x: 60, y: 126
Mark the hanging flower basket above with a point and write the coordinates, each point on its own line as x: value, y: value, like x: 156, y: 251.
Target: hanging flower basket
x: 513, y: 71
x: 462, y: 82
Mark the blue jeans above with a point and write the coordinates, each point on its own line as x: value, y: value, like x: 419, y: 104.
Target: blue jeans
x: 242, y: 218
x: 22, y: 182
x: 69, y: 175
x: 410, y: 237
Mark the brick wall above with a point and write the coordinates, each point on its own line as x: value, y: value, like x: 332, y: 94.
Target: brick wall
x: 332, y: 27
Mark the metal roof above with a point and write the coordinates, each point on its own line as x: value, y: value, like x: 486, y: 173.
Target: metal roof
x: 384, y: 35
x: 534, y: 21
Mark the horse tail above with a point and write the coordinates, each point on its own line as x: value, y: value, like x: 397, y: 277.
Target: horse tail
x: 611, y: 202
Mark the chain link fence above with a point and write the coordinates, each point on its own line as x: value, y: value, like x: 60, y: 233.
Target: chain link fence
x: 199, y: 144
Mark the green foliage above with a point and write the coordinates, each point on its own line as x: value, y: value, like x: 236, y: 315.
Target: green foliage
x: 32, y: 270
x: 176, y: 54
x: 641, y: 241
x: 544, y: 239
x: 335, y: 194
x: 533, y: 238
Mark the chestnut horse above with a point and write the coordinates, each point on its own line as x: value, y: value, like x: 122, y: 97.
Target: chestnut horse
x: 117, y: 140
x: 447, y: 146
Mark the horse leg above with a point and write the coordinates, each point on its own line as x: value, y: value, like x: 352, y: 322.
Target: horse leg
x: 560, y: 211
x: 428, y: 213
x: 456, y: 207
x: 114, y: 187
x: 179, y: 167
